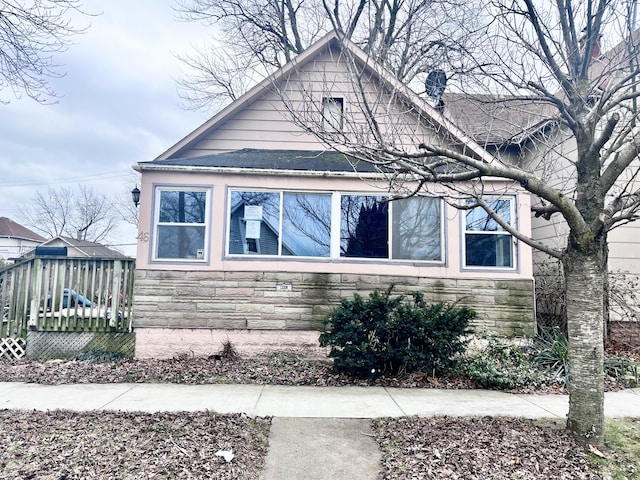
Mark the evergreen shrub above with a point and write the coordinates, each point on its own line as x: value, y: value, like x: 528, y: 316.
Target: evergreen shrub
x: 394, y: 334
x: 501, y: 365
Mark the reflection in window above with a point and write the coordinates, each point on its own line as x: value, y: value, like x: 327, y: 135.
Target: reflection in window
x: 334, y: 225
x: 181, y: 224
x: 306, y: 224
x: 254, y: 223
x: 364, y: 227
x: 416, y: 229
x: 486, y: 242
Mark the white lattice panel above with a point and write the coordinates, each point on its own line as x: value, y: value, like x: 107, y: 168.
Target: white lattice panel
x: 12, y: 348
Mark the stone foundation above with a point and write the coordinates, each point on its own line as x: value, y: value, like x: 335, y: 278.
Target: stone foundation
x: 193, y: 312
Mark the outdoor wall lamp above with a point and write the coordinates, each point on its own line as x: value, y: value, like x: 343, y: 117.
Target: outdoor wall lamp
x: 135, y: 195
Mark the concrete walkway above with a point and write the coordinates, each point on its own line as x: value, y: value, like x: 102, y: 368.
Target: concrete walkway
x: 302, y: 402
x: 322, y: 448
x: 317, y: 432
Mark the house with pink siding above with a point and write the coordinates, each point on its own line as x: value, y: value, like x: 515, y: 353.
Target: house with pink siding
x: 251, y: 229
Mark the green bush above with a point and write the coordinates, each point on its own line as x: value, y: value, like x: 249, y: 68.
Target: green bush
x: 388, y: 335
x: 500, y: 365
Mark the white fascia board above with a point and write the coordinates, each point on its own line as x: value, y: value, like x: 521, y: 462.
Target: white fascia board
x: 253, y: 171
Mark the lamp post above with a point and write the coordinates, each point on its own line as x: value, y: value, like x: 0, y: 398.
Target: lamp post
x: 135, y: 195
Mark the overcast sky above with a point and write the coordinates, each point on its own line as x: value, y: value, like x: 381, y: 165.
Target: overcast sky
x: 118, y: 105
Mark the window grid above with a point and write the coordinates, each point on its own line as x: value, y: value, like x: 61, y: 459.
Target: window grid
x: 334, y: 224
x: 500, y: 235
x: 181, y: 228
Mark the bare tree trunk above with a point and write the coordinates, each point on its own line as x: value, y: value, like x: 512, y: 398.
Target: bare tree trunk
x: 585, y: 288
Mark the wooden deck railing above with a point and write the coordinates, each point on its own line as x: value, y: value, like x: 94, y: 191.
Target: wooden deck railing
x: 66, y: 294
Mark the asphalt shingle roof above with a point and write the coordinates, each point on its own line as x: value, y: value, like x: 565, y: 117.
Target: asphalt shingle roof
x: 495, y: 120
x: 9, y: 228
x: 274, y: 160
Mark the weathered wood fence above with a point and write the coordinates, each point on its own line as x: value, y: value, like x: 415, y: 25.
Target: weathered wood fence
x: 62, y: 294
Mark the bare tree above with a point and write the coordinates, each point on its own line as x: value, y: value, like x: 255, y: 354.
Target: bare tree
x: 572, y: 110
x: 255, y: 37
x: 31, y: 33
x: 83, y: 214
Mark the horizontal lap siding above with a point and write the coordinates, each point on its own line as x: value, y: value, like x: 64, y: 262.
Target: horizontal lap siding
x: 266, y: 122
x: 256, y: 300
x: 624, y: 250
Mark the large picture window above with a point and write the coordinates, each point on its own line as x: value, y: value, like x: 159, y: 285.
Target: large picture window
x: 334, y: 225
x: 487, y: 244
x: 181, y: 224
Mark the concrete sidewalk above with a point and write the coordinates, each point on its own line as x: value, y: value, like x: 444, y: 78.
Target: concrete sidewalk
x: 310, y: 402
x: 317, y: 432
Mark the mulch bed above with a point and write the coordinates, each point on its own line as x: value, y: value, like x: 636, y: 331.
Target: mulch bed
x: 274, y: 369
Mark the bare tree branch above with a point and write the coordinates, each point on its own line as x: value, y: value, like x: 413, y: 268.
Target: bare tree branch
x: 31, y: 33
x: 83, y: 214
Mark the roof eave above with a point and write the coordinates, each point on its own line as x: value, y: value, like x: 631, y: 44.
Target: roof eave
x: 151, y: 167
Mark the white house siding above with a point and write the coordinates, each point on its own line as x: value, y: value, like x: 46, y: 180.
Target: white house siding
x: 552, y: 158
x: 13, y: 247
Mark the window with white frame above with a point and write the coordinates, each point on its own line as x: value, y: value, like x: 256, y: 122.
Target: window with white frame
x: 486, y: 243
x: 181, y: 223
x: 332, y: 114
x: 334, y: 225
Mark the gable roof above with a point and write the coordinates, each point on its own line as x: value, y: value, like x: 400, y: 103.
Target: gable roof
x: 330, y: 41
x: 9, y: 228
x: 86, y: 248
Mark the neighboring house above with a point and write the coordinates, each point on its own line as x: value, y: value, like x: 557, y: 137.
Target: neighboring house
x: 71, y: 247
x: 253, y: 230
x: 15, y: 240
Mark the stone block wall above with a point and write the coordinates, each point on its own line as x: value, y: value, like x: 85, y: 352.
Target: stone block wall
x: 283, y: 305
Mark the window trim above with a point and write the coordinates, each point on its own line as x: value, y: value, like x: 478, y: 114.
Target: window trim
x: 156, y: 224
x: 513, y: 202
x: 335, y: 233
